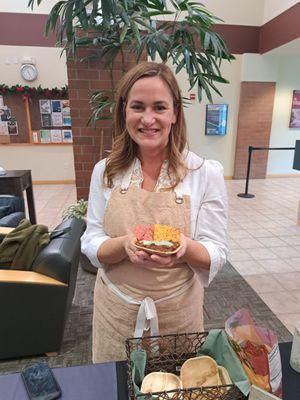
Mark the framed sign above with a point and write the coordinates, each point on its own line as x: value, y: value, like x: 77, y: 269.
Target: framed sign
x: 295, y: 112
x: 216, y: 119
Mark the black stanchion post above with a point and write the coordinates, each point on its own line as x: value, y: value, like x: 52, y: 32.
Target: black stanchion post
x: 246, y: 194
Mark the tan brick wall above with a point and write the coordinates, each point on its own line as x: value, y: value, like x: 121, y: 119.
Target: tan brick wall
x: 90, y: 145
x: 254, y: 127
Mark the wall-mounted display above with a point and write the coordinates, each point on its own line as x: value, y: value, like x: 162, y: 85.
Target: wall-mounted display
x: 216, y: 119
x: 55, y: 113
x: 295, y: 112
x: 24, y: 109
x: 9, y: 124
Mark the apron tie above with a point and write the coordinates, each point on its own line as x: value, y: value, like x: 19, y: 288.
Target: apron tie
x: 147, y: 315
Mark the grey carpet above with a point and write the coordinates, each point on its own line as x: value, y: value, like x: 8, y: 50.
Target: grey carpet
x: 227, y: 293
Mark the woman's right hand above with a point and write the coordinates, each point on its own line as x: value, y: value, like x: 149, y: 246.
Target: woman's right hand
x: 135, y: 255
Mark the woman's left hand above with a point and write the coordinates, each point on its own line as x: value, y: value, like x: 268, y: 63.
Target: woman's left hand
x: 171, y: 260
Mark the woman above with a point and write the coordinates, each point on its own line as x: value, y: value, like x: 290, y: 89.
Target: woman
x: 150, y: 177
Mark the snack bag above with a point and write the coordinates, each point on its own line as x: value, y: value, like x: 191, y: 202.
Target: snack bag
x: 258, y: 351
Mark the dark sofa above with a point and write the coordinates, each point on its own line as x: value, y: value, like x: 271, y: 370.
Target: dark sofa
x: 12, y: 210
x: 34, y: 305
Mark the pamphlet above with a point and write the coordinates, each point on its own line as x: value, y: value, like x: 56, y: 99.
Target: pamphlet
x: 35, y: 136
x: 67, y: 136
x: 45, y: 136
x: 46, y: 120
x: 57, y: 119
x: 56, y: 106
x: 3, y: 128
x: 5, y: 114
x: 45, y: 106
x: 66, y: 107
x: 66, y: 121
x: 56, y: 136
x: 12, y: 126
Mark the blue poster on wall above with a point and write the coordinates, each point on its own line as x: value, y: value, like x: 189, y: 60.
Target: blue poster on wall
x: 216, y: 119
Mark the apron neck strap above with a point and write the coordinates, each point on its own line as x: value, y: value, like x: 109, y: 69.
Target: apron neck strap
x: 178, y: 193
x: 126, y: 179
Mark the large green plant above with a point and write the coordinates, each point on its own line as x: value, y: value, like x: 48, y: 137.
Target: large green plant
x: 110, y: 26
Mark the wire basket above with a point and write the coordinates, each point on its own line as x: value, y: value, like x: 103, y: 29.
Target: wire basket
x: 167, y: 354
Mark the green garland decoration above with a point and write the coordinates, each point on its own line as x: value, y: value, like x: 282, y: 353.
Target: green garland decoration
x: 31, y: 91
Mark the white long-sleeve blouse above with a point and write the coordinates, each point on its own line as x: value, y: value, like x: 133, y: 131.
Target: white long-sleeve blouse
x: 208, y: 217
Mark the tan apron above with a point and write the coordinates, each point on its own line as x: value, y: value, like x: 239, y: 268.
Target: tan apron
x: 130, y: 300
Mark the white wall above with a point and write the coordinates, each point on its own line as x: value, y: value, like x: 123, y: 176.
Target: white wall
x: 258, y: 68
x: 52, y: 70
x: 272, y: 8
x: 221, y: 148
x: 20, y: 6
x: 52, y: 73
x: 249, y: 67
x: 237, y: 12
x: 282, y: 68
x: 280, y: 162
x: 47, y: 162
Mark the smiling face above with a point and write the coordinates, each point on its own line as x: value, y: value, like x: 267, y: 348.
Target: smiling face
x: 150, y: 114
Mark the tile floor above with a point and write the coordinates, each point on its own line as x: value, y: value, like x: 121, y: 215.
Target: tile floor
x: 264, y: 239
x: 264, y: 242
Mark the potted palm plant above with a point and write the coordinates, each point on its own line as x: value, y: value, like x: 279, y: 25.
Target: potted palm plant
x: 178, y: 31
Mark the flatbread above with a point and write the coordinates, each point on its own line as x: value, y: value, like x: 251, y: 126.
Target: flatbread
x: 153, y: 251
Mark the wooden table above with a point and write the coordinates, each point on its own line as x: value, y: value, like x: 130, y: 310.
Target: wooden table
x: 14, y: 183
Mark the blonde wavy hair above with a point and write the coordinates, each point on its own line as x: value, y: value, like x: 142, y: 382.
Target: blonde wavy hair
x: 124, y: 148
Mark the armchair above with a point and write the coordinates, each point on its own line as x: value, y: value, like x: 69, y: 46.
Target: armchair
x: 34, y: 304
x: 12, y: 210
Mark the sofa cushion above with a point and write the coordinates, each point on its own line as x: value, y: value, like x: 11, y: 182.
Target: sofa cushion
x: 4, y: 210
x: 15, y: 203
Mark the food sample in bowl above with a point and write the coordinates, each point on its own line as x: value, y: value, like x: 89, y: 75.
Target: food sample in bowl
x: 160, y: 382
x: 157, y: 238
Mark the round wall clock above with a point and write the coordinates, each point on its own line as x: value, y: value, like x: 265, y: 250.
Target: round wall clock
x: 29, y: 72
